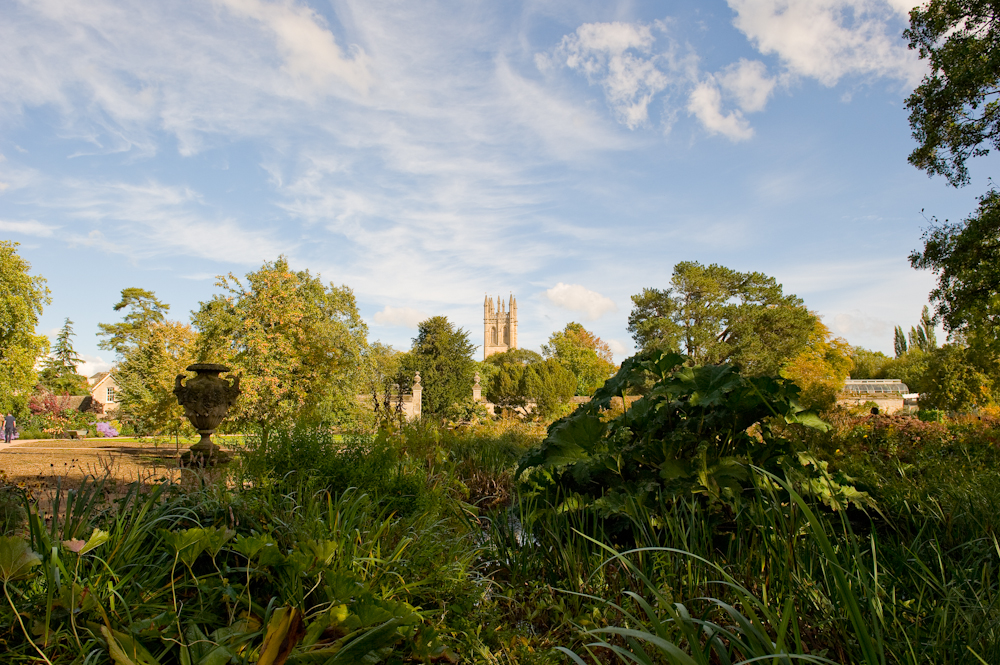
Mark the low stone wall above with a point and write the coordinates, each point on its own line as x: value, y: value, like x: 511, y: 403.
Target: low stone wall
x: 885, y: 403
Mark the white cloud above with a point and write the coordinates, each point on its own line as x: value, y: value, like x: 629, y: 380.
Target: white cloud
x: 579, y: 298
x: 28, y: 228
x: 856, y: 324
x: 903, y: 7
x: 92, y: 365
x: 705, y: 103
x: 617, y: 348
x: 406, y: 317
x: 619, y: 57
x: 747, y: 81
x: 829, y: 39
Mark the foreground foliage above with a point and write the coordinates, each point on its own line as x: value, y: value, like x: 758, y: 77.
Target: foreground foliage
x: 287, y: 560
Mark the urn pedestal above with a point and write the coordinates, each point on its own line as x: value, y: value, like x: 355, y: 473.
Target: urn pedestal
x: 206, y: 399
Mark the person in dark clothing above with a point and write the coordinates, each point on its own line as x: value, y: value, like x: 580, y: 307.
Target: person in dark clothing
x: 8, y: 427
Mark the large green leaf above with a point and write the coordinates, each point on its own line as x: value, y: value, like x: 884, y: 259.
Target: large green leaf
x: 16, y: 558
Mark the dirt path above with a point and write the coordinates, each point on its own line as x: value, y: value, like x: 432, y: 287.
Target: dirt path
x: 45, y: 463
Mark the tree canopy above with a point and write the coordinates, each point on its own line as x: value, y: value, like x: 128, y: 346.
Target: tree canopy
x: 524, y: 379
x: 954, y: 112
x: 293, y: 339
x: 955, y: 116
x: 443, y: 356
x: 966, y: 259
x: 820, y: 368
x: 59, y: 373
x: 959, y: 378
x: 144, y: 311
x: 22, y: 298
x: 584, y: 354
x: 145, y: 377
x: 151, y: 351
x: 715, y: 315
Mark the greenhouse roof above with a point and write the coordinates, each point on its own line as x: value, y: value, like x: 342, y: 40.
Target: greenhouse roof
x: 871, y: 386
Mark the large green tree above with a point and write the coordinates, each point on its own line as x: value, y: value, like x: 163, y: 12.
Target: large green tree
x: 954, y: 112
x: 59, y: 373
x: 715, y: 315
x: 144, y: 310
x: 294, y: 340
x: 959, y: 378
x: 150, y: 352
x: 955, y: 116
x: 966, y: 259
x: 22, y: 297
x: 584, y: 354
x: 525, y: 380
x: 442, y: 354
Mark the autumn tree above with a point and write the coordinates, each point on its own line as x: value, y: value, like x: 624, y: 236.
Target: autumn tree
x: 145, y: 376
x: 442, y: 354
x: 22, y: 298
x: 293, y: 339
x: 59, y: 374
x: 150, y: 352
x: 820, y: 368
x: 584, y: 354
x: 716, y: 315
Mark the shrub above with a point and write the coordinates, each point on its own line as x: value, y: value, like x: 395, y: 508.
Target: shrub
x: 106, y: 429
x: 337, y: 463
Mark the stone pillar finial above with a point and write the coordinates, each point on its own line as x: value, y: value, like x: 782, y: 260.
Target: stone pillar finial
x: 418, y: 391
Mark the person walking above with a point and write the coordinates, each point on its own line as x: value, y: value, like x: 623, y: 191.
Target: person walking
x: 8, y: 427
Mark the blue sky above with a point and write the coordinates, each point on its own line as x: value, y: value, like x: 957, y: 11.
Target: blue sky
x: 428, y: 153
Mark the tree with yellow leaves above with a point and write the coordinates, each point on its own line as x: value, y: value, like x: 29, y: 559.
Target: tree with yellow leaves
x: 820, y: 368
x: 294, y: 340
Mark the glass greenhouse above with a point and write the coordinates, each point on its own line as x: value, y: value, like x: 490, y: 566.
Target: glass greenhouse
x: 875, y: 386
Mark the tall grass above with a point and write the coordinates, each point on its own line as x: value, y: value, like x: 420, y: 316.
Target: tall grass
x: 464, y: 567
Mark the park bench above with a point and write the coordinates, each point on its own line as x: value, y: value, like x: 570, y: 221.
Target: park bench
x: 75, y: 433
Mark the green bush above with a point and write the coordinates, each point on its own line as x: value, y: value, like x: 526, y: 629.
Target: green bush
x: 337, y: 463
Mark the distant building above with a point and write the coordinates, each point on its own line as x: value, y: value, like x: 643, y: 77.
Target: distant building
x: 890, y: 395
x: 104, y: 390
x: 499, y: 326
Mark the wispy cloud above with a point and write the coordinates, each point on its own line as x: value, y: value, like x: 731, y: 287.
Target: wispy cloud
x: 28, y: 228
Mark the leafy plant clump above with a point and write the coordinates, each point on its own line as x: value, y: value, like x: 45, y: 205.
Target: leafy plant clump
x: 337, y: 463
x: 697, y: 430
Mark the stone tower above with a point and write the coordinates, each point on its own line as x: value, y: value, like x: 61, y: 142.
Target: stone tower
x: 500, y: 326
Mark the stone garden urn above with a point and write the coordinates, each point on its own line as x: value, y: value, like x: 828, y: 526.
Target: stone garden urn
x: 206, y: 399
